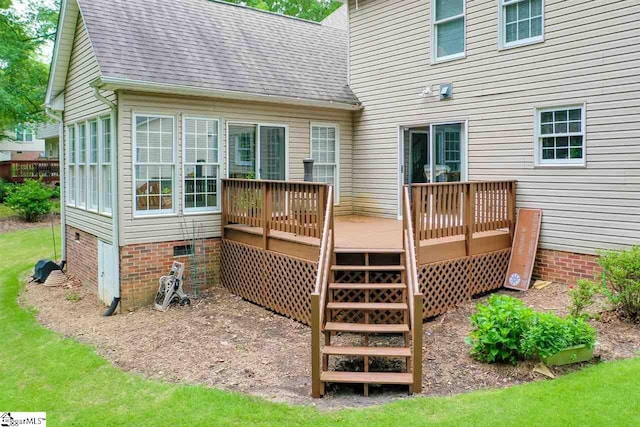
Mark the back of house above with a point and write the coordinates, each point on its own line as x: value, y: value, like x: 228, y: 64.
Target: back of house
x: 162, y: 100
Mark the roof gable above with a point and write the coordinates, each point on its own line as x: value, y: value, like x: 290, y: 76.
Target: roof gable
x: 209, y: 45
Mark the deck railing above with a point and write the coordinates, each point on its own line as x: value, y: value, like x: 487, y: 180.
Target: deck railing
x: 319, y: 297
x: 462, y: 208
x: 414, y: 296
x: 20, y: 170
x: 292, y: 207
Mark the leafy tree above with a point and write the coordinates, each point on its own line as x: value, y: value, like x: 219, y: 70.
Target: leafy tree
x: 23, y: 74
x: 313, y: 10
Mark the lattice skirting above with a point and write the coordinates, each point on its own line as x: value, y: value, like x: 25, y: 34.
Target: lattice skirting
x: 448, y: 283
x: 281, y: 283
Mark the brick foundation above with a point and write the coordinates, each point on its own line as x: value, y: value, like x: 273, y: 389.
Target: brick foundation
x: 142, y: 265
x: 82, y: 256
x: 565, y: 267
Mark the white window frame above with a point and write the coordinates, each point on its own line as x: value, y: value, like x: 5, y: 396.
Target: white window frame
x: 218, y: 164
x: 336, y: 179
x: 434, y: 47
x: 176, y: 189
x: 81, y: 202
x: 537, y: 137
x: 93, y: 167
x: 102, y: 163
x: 23, y: 131
x: 258, y: 125
x: 72, y: 188
x: 502, y: 27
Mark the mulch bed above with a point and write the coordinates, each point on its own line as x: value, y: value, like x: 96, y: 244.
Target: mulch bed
x: 225, y: 342
x: 13, y: 223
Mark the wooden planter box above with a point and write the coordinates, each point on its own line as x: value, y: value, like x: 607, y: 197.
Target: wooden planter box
x: 576, y: 354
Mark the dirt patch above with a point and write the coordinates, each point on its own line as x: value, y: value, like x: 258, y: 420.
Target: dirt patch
x: 13, y: 223
x: 225, y: 342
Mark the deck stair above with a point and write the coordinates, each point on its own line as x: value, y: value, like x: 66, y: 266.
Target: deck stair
x: 366, y: 306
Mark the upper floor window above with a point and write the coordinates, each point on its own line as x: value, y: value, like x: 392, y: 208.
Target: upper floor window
x: 24, y: 134
x: 521, y: 22
x: 154, y: 164
x: 560, y: 136
x: 448, y: 29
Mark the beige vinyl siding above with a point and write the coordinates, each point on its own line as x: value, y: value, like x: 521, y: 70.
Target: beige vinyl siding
x: 298, y: 119
x: 80, y: 104
x: 589, y: 55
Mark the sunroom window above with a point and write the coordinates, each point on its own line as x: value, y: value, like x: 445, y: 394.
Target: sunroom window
x: 82, y: 166
x: 561, y: 136
x: 521, y: 21
x: 72, y: 181
x: 448, y: 29
x: 93, y: 165
x: 154, y: 162
x: 106, y: 192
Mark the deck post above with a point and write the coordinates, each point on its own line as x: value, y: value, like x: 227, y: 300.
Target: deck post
x: 266, y: 214
x: 469, y: 215
x: 224, y: 207
x: 511, y: 209
x: 316, y: 384
x: 417, y: 343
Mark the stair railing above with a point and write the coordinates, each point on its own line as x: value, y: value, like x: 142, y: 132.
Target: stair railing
x: 319, y: 296
x: 415, y: 297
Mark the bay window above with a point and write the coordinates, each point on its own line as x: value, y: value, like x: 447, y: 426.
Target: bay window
x: 154, y: 164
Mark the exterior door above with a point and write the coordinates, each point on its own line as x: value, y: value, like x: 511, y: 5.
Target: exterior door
x: 257, y: 152
x: 107, y: 280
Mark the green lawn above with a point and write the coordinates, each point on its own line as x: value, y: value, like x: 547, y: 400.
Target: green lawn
x: 41, y: 371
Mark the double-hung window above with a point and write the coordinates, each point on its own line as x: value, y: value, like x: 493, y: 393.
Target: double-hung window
x: 521, y: 22
x: 201, y: 164
x: 105, y: 148
x: 448, y: 29
x: 72, y: 181
x: 82, y: 166
x: 154, y: 164
x: 93, y: 166
x: 560, y: 136
x: 24, y: 134
x: 325, y: 148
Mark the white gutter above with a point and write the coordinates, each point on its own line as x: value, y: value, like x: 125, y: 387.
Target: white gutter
x: 116, y: 83
x: 63, y: 209
x: 115, y: 179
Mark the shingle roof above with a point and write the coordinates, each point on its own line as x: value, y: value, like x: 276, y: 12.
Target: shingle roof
x: 218, y: 46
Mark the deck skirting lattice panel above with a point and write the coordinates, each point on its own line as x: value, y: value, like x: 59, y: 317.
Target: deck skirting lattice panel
x: 447, y: 284
x: 279, y: 282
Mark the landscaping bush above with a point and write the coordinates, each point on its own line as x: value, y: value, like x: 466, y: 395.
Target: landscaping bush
x: 30, y: 200
x: 498, y: 329
x: 55, y: 192
x: 582, y: 297
x: 621, y: 277
x: 506, y: 330
x: 548, y: 334
x: 5, y: 189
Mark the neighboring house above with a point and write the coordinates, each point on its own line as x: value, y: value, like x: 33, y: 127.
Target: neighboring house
x: 21, y: 143
x: 50, y: 132
x: 161, y: 99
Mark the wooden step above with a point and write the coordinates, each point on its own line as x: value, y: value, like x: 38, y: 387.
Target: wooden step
x: 368, y: 251
x: 367, y: 377
x: 372, y: 286
x: 367, y: 268
x: 366, y: 328
x: 367, y: 306
x: 367, y: 351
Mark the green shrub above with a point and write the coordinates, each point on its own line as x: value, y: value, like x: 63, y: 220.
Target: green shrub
x: 582, y: 297
x: 498, y: 329
x: 548, y: 334
x: 55, y: 192
x: 621, y: 277
x: 5, y: 189
x: 30, y: 200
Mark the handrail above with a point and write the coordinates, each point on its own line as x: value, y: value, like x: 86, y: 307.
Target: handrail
x: 20, y: 170
x: 319, y: 295
x: 415, y: 297
x: 282, y: 206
